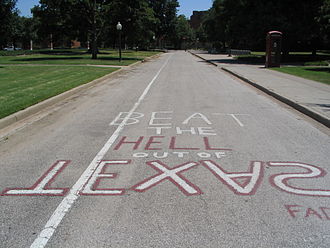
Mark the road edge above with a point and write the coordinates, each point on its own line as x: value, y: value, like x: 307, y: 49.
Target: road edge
x: 34, y: 109
x: 303, y: 109
x: 200, y: 57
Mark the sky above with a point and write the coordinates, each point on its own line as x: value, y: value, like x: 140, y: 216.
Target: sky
x: 186, y: 6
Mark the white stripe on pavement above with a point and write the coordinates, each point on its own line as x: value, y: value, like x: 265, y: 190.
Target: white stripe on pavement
x: 63, y: 208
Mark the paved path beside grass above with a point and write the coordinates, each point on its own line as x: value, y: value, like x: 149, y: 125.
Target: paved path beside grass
x: 308, y: 96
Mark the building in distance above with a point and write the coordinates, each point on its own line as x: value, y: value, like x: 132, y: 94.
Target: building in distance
x: 197, y: 18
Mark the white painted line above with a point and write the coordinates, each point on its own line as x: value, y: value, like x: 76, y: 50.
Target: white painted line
x: 234, y: 116
x: 64, y: 207
x: 237, y: 120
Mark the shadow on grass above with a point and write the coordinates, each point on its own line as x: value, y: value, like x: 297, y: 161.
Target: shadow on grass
x: 71, y: 52
x: 294, y: 58
x: 47, y: 58
x: 319, y: 69
x: 291, y: 58
x: 71, y: 58
x: 63, y: 52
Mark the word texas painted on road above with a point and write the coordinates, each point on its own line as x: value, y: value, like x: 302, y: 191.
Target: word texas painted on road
x: 240, y: 183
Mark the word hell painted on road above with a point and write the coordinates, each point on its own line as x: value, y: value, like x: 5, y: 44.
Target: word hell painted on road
x: 240, y: 183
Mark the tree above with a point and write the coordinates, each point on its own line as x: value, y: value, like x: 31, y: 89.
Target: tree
x: 214, y: 26
x: 183, y: 32
x: 323, y: 20
x: 28, y: 31
x: 95, y: 20
x: 52, y: 22
x: 68, y: 19
x: 7, y: 12
x: 166, y: 13
x: 89, y: 18
x: 244, y: 23
x: 138, y: 21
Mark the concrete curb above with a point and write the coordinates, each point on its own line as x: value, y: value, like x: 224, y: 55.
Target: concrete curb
x: 303, y: 109
x: 210, y: 62
x: 22, y: 114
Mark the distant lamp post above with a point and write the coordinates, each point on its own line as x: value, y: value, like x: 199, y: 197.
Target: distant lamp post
x: 51, y: 42
x: 119, y: 28
x: 154, y: 40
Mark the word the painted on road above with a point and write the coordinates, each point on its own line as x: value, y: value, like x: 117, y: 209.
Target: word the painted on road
x: 298, y: 211
x: 160, y: 121
x: 240, y: 183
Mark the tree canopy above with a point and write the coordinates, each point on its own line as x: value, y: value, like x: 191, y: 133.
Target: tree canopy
x: 7, y: 16
x: 244, y: 23
x: 149, y: 23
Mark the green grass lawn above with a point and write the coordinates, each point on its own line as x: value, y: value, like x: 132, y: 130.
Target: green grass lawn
x: 23, y: 86
x: 77, y: 57
x: 320, y: 74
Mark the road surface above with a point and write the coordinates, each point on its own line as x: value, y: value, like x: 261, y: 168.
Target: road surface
x: 171, y: 153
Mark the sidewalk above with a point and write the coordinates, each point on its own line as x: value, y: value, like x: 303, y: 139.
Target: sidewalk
x: 307, y: 96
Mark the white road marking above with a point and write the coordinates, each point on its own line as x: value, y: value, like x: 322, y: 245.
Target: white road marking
x: 234, y: 116
x: 237, y: 120
x: 64, y: 207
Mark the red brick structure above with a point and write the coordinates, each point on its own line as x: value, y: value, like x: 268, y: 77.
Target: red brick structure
x: 196, y: 19
x: 75, y: 44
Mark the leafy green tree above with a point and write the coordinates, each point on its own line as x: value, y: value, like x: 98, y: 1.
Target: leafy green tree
x: 138, y: 21
x: 89, y: 18
x: 52, y: 24
x: 7, y: 12
x: 244, y: 23
x: 28, y: 31
x: 214, y: 26
x: 166, y: 13
x: 324, y: 21
x: 69, y: 19
x: 183, y: 33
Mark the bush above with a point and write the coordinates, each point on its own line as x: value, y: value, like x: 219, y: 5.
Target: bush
x: 17, y: 52
x: 318, y: 63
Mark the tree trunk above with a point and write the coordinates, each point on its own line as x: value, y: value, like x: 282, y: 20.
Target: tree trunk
x: 314, y: 52
x: 94, y: 47
x: 94, y: 39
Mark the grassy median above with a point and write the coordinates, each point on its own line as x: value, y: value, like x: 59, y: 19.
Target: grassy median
x: 320, y: 74
x: 23, y: 86
x: 23, y: 82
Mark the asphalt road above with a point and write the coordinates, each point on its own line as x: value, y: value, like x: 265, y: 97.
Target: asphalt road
x: 171, y: 153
